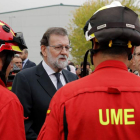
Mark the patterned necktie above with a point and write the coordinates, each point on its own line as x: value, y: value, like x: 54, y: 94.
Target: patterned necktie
x: 59, y: 84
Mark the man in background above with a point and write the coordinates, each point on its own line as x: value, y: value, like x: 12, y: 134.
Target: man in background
x: 36, y: 86
x: 136, y: 59
x: 131, y: 66
x: 17, y: 61
x: 17, y: 66
x: 26, y: 63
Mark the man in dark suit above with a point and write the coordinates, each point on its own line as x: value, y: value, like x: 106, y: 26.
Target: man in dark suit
x: 36, y: 86
x: 26, y: 63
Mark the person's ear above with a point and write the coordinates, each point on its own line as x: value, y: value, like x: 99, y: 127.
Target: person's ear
x: 44, y: 50
x: 94, y: 44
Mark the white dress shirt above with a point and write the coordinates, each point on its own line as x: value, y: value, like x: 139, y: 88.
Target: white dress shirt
x: 72, y: 69
x: 51, y: 72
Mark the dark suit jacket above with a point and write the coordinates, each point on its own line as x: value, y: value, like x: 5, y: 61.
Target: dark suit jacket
x: 29, y: 64
x: 35, y: 89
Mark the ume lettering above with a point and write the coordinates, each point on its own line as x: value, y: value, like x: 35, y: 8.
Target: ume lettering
x: 117, y: 117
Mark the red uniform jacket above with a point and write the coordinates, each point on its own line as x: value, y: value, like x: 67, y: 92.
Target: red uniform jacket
x: 11, y: 115
x: 102, y: 106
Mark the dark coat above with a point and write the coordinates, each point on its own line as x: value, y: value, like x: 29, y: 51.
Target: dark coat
x: 29, y: 64
x: 35, y: 89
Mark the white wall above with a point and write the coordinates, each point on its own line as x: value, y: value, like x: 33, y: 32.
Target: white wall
x: 34, y: 22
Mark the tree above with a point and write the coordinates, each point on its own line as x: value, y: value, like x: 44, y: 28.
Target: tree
x: 80, y: 17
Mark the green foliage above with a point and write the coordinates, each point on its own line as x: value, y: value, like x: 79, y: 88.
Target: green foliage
x: 80, y: 16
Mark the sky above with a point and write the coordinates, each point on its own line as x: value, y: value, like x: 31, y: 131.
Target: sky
x: 13, y: 5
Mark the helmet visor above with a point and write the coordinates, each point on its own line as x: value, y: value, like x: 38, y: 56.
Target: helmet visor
x: 19, y: 39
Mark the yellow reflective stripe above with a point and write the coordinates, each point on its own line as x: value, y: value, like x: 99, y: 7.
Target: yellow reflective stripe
x: 92, y: 35
x: 1, y: 23
x: 12, y: 32
x: 104, y: 7
x: 16, y: 48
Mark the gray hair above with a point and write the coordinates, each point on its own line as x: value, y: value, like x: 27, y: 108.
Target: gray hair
x: 16, y: 56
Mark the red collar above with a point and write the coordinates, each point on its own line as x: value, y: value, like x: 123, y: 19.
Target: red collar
x: 111, y: 63
x: 2, y: 83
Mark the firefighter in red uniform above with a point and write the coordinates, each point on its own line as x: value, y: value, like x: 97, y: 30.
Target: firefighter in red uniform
x: 11, y: 110
x: 104, y: 105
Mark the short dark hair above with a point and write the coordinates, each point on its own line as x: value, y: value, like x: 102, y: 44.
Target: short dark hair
x: 4, y: 54
x: 71, y: 63
x: 49, y: 32
x: 82, y: 63
x: 114, y: 50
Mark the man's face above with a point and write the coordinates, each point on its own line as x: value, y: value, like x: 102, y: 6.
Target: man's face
x: 78, y: 71
x: 136, y: 58
x: 17, y: 62
x: 77, y: 66
x: 23, y: 56
x: 57, y: 59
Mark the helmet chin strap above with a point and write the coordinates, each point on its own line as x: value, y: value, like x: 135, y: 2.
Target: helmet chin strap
x: 7, y: 61
x: 92, y: 52
x: 130, y: 56
x: 85, y: 63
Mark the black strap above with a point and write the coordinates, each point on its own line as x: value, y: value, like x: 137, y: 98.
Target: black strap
x: 85, y: 59
x: 8, y: 41
x: 65, y: 125
x: 113, y: 25
x: 15, y: 40
x: 85, y: 63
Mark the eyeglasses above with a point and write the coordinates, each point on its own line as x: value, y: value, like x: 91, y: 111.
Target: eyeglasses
x: 18, y: 62
x: 60, y: 47
x: 137, y: 54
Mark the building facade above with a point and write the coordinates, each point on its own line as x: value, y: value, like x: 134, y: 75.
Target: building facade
x: 34, y: 22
